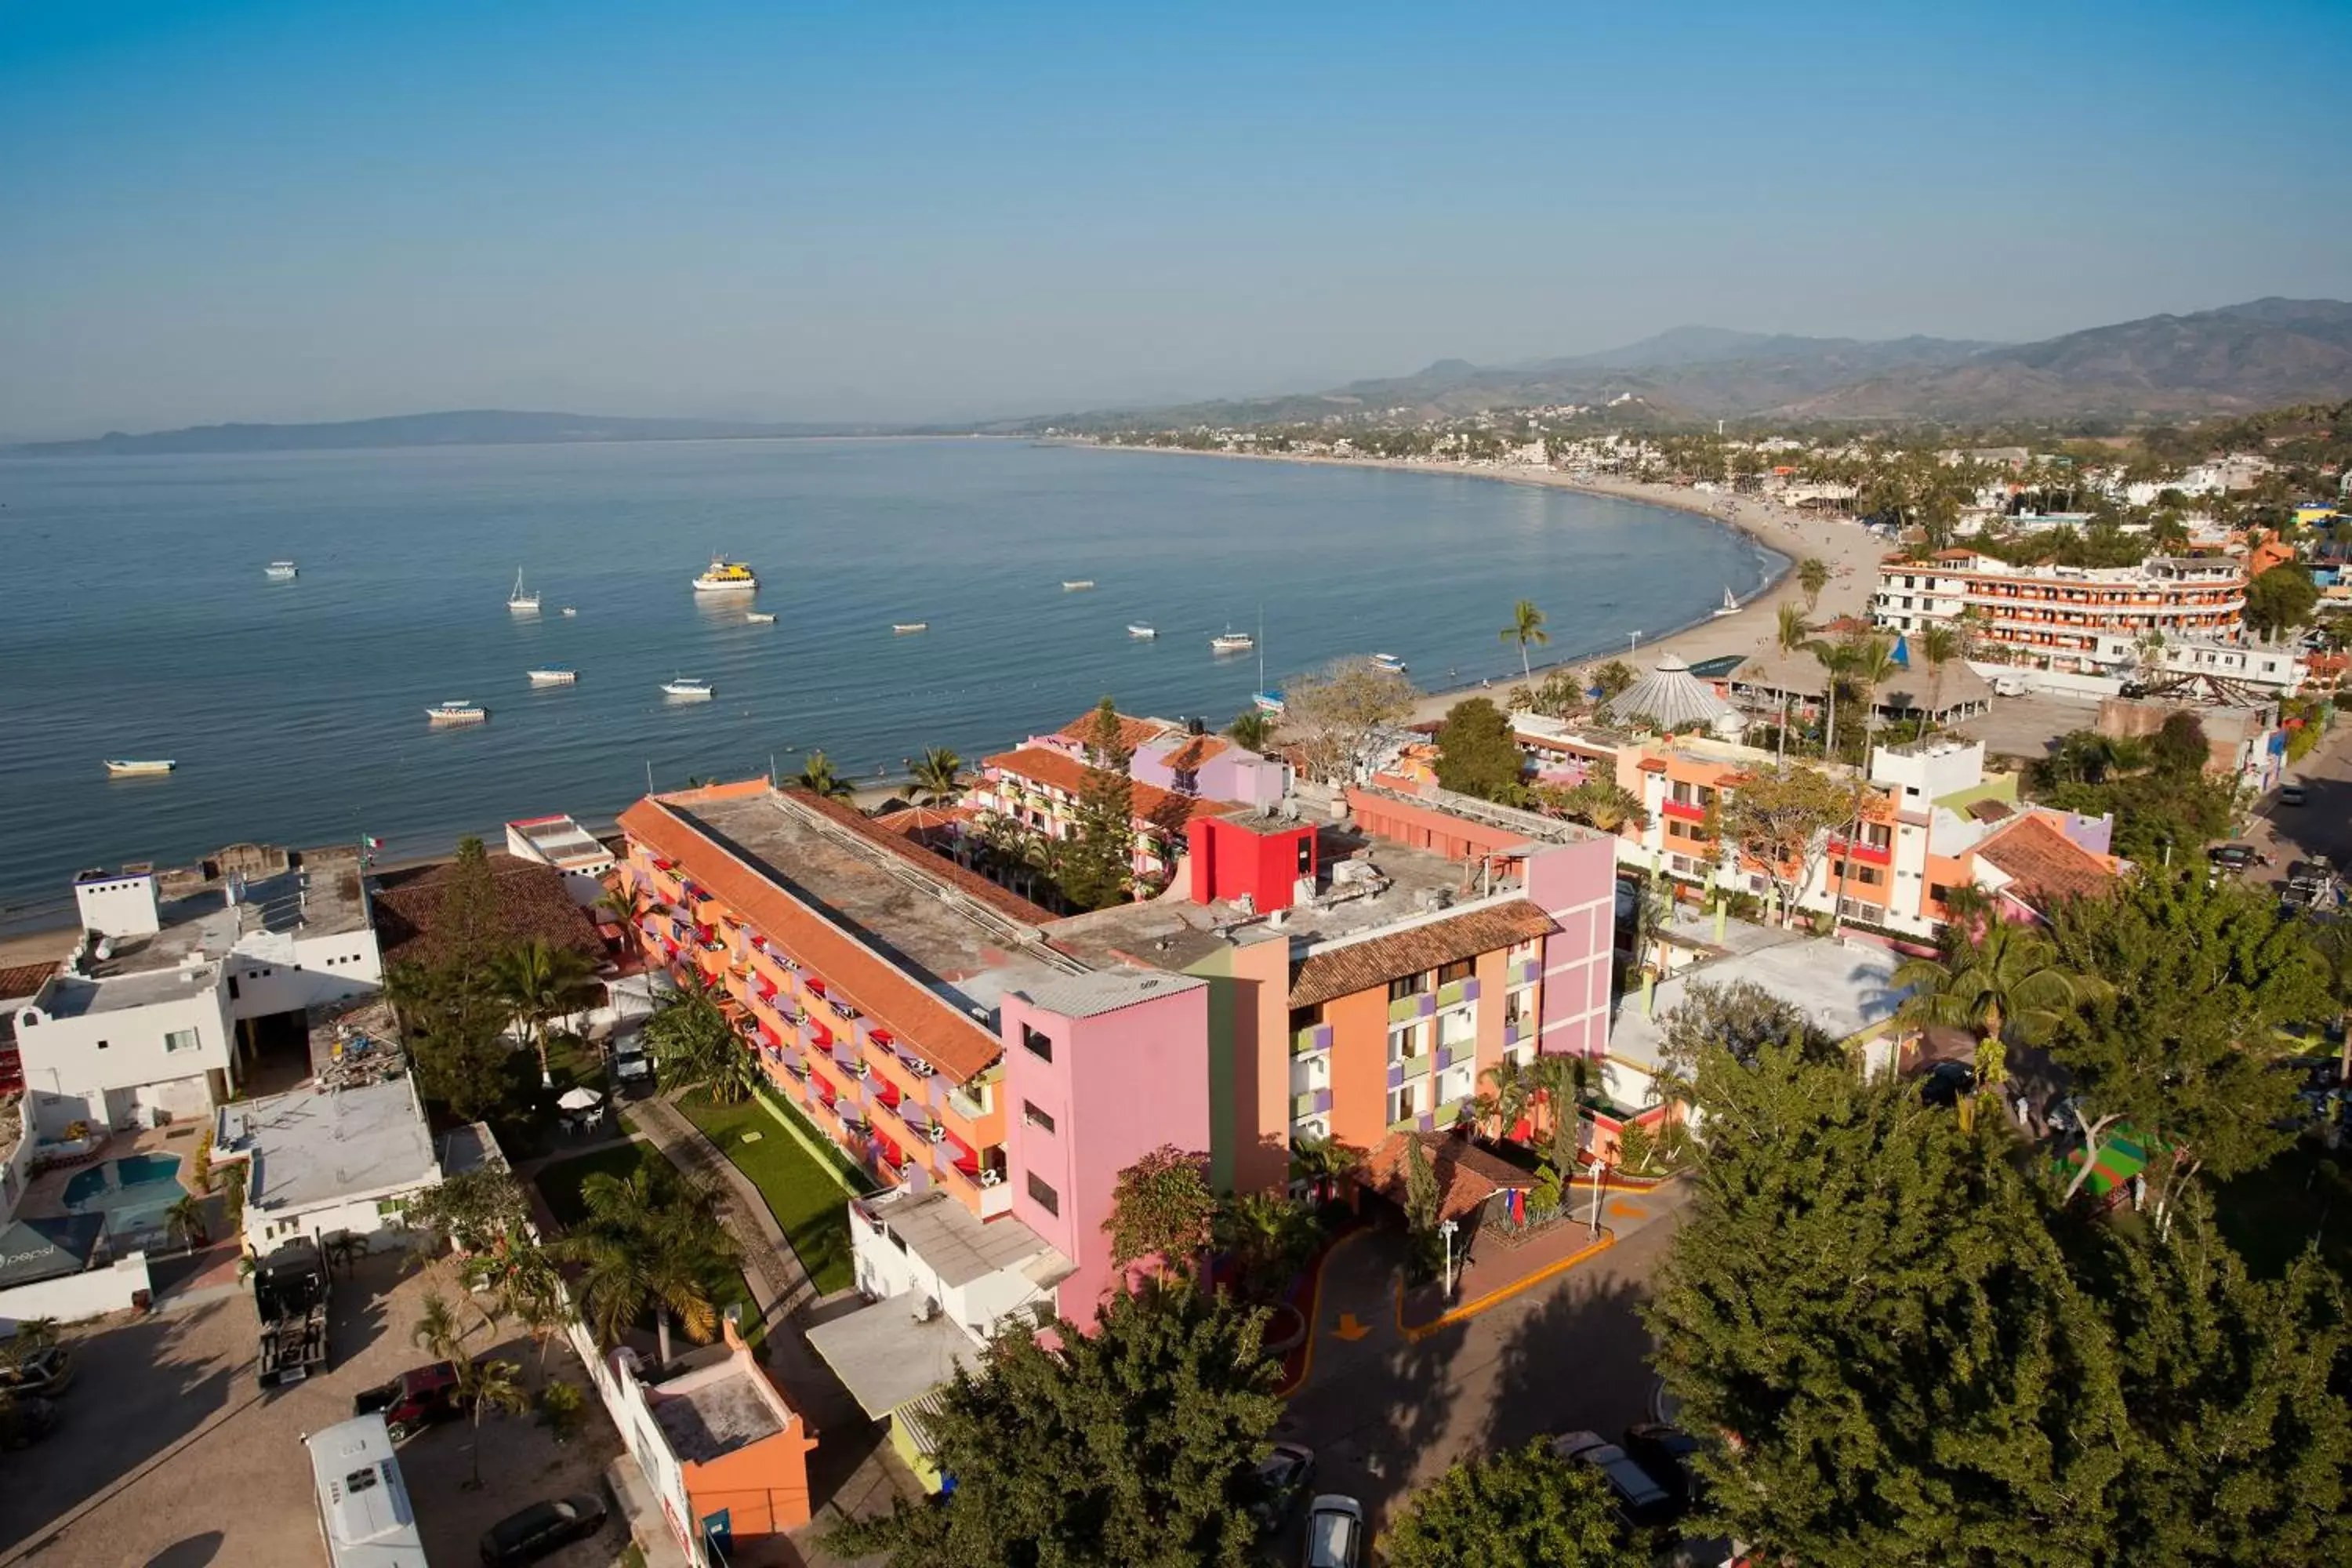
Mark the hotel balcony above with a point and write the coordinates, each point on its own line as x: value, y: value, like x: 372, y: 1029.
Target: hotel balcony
x: 1454, y: 993
x: 1457, y: 1053
x: 1314, y: 1102
x: 1314, y: 1037
x: 1406, y: 1009
x: 1410, y: 1068
x: 1525, y: 971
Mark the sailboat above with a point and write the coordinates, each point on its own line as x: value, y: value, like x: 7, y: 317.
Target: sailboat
x: 1730, y: 606
x: 520, y: 602
x: 1264, y: 700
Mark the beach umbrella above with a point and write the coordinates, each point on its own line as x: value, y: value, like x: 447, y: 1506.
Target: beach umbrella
x: 579, y: 1098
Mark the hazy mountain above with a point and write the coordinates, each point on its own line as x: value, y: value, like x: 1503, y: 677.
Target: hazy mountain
x: 465, y: 428
x: 1681, y: 347
x: 2239, y: 358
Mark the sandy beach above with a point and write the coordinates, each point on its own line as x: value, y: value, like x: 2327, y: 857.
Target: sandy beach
x: 1851, y: 551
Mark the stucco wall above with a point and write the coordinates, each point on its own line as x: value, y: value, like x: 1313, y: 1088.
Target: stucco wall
x: 77, y: 1297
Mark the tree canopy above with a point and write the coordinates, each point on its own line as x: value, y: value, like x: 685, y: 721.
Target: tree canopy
x: 1161, y: 1207
x: 1477, y: 753
x: 1782, y: 816
x: 1097, y: 866
x: 1520, y: 1506
x: 2281, y: 599
x: 1338, y: 715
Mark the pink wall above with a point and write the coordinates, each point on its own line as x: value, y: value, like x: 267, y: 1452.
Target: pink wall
x: 1122, y: 1083
x: 1576, y: 884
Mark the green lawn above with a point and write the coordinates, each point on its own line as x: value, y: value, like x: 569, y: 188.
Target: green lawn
x: 808, y: 1204
x: 560, y: 1184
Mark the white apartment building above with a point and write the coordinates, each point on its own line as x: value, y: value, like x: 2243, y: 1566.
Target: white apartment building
x: 156, y: 1013
x: 325, y: 1162
x: 2061, y: 617
x: 559, y: 841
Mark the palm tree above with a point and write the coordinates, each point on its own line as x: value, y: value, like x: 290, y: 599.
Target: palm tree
x: 1506, y: 1098
x: 345, y: 1248
x: 1792, y: 631
x: 1269, y: 1238
x: 690, y: 1038
x: 1527, y: 627
x: 1813, y: 576
x: 489, y: 1386
x: 538, y: 982
x: 1323, y: 1163
x: 1833, y: 657
x: 2005, y: 985
x: 185, y: 1222
x: 818, y: 777
x: 939, y: 777
x: 648, y: 1242
x: 1252, y: 728
x: 1938, y: 643
x: 437, y: 1331
x: 622, y: 901
x: 1558, y: 1080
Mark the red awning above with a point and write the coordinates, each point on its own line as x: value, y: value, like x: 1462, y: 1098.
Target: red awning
x: 887, y: 1093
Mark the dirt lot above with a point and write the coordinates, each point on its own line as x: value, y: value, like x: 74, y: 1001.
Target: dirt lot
x: 166, y: 1455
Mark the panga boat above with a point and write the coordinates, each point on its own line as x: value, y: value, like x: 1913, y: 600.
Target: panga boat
x: 570, y: 611
x: 280, y: 570
x: 1389, y: 662
x: 1267, y: 702
x: 1137, y: 629
x: 760, y: 617
x: 552, y: 677
x: 521, y: 600
x: 132, y: 769
x: 458, y: 711
x: 903, y: 627
x: 687, y: 688
x: 1730, y: 606
x: 1232, y: 642
x: 726, y: 577
x: 1077, y: 585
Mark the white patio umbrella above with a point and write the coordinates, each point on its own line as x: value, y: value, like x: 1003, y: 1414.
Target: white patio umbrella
x: 579, y: 1098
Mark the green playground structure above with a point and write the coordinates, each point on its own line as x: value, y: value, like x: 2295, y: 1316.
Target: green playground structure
x: 2121, y: 1157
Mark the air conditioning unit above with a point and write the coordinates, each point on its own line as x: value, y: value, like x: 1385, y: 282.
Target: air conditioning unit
x: 860, y: 1069
x: 925, y: 1309
x: 991, y: 1178
x: 935, y: 1133
x: 918, y: 1066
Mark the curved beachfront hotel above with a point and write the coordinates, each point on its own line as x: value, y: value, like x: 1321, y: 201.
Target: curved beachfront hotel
x: 2084, y: 619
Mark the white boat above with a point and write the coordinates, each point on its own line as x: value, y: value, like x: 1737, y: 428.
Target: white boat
x: 280, y: 571
x: 726, y: 577
x: 1730, y: 606
x: 519, y: 601
x: 570, y: 611
x: 902, y: 628
x: 136, y: 769
x: 687, y: 688
x: 760, y: 617
x: 1267, y: 702
x: 1389, y: 662
x: 1077, y: 585
x: 1232, y: 642
x: 544, y: 677
x: 1138, y: 630
x: 458, y: 711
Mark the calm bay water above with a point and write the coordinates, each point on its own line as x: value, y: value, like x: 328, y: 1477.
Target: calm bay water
x: 141, y: 624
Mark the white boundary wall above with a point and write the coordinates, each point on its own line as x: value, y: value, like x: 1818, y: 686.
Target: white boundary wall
x: 76, y: 1296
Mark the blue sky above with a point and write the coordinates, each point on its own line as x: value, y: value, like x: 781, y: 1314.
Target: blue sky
x: 299, y: 211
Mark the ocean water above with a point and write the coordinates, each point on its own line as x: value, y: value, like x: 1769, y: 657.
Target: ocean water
x: 140, y: 624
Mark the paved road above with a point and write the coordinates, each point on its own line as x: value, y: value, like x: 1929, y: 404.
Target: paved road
x: 2323, y: 824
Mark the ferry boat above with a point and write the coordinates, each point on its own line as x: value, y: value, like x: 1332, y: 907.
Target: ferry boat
x: 282, y: 571
x: 1730, y: 606
x: 687, y: 688
x: 902, y: 628
x: 726, y: 577
x: 760, y: 617
x: 1141, y: 632
x: 138, y: 769
x: 546, y: 676
x: 1232, y: 642
x: 521, y: 602
x: 1077, y: 585
x: 1389, y: 662
x: 458, y: 711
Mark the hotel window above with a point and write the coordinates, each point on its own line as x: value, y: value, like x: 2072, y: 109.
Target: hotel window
x: 1037, y: 1118
x: 1519, y: 1006
x: 1457, y: 1026
x: 181, y: 1040
x: 1406, y: 1101
x: 1044, y: 1196
x: 1409, y: 985
x: 1454, y: 1084
x: 1038, y: 1046
x: 1410, y: 1041
x: 1460, y: 969
x: 1306, y: 1017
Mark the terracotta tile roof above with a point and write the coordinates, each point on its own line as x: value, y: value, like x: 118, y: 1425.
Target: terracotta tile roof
x: 1132, y: 732
x: 1360, y: 965
x: 919, y: 1020
x: 1989, y: 810
x: 899, y: 842
x: 532, y: 903
x: 1188, y: 757
x: 914, y: 820
x: 26, y: 979
x: 1467, y: 1175
x: 2045, y: 864
x: 1154, y: 804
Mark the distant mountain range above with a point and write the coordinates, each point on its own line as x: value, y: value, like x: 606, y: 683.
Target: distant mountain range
x: 464, y: 427
x: 2242, y: 357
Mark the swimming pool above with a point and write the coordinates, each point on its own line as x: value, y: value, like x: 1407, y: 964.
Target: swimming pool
x: 135, y: 1193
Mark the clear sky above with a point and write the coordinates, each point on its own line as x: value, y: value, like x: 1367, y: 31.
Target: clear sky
x: 311, y: 210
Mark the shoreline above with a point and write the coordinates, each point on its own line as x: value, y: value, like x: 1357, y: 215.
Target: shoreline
x: 1852, y: 552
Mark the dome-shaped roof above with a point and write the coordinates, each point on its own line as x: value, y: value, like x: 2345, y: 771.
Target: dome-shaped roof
x: 1670, y: 694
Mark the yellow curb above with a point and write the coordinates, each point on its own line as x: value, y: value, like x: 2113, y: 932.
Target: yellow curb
x: 1306, y: 1363
x: 1496, y: 1297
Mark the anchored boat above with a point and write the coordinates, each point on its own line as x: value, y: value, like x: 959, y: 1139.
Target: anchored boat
x: 688, y: 689
x: 1232, y: 642
x: 727, y: 577
x: 134, y: 768
x: 282, y: 571
x: 1141, y: 632
x: 1730, y: 606
x: 902, y: 627
x: 1077, y: 585
x: 458, y: 711
x: 544, y: 677
x: 1389, y: 662
x: 760, y: 617
x: 521, y: 601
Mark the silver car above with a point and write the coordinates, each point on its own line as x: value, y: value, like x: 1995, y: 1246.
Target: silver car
x: 1335, y: 1533
x: 1640, y: 1497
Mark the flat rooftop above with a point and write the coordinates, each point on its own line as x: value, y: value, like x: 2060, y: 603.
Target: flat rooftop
x: 320, y: 895
x: 71, y: 996
x: 712, y: 1411
x: 310, y: 1147
x: 958, y: 1246
x: 561, y: 841
x: 965, y: 949
x: 1845, y: 988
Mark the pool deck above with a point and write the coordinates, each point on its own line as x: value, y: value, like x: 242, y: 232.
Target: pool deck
x: 45, y: 1196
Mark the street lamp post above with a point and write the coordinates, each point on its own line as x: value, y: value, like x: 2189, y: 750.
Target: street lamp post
x: 1600, y: 1168
x: 1447, y: 1231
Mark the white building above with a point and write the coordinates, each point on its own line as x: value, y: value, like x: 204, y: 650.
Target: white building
x: 2061, y: 617
x: 151, y: 1019
x: 561, y: 842
x: 322, y: 1163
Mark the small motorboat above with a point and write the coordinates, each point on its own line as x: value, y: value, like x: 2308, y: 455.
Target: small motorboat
x: 123, y: 770
x: 570, y: 611
x: 1077, y: 585
x: 902, y: 628
x: 1232, y: 642
x: 521, y: 601
x: 726, y: 577
x: 760, y: 617
x: 1267, y: 702
x: 458, y: 711
x: 1140, y: 632
x: 1730, y: 606
x: 688, y: 689
x: 546, y: 676
x: 1389, y: 662
x: 282, y: 571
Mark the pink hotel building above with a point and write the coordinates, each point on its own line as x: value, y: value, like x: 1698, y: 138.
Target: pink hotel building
x: 992, y: 1068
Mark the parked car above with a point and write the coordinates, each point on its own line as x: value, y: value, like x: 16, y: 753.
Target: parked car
x: 2010, y: 686
x: 2291, y: 794
x: 539, y: 1529
x: 1277, y: 1482
x: 2232, y: 857
x: 46, y: 1370
x: 1640, y: 1497
x: 26, y: 1420
x: 415, y: 1400
x: 1335, y: 1533
x: 632, y: 1070
x: 1668, y: 1454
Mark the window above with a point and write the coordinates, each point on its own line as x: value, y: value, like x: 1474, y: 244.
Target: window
x: 1940, y: 892
x: 1411, y: 985
x: 1454, y: 1084
x: 1044, y: 1196
x: 1460, y: 969
x: 1404, y: 1102
x: 101, y: 1045
x: 386, y: 1208
x: 1306, y: 1017
x: 1457, y: 1026
x: 1037, y: 1118
x: 1519, y: 1006
x: 181, y: 1040
x: 1038, y: 1045
x: 1409, y: 1041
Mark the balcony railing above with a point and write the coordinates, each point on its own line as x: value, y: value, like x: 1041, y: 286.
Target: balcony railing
x: 965, y: 1106
x: 1314, y: 1102
x: 1410, y: 1068
x: 1525, y: 971
x: 1454, y: 993
x: 1314, y: 1037
x: 1419, y: 1005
